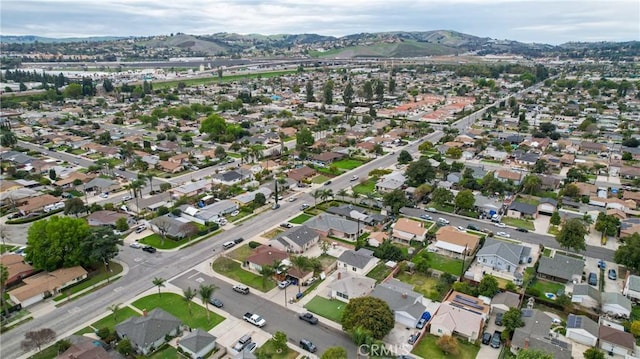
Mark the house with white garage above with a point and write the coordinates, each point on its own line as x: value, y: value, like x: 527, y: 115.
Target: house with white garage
x: 452, y: 242
x: 46, y: 284
x: 295, y: 240
x: 615, y: 341
x: 406, y: 230
x: 198, y: 343
x: 359, y: 262
x: 349, y: 285
x: 406, y: 304
x: 502, y: 256
x: 586, y: 296
x: 582, y: 329
x: 615, y: 304
x: 632, y: 287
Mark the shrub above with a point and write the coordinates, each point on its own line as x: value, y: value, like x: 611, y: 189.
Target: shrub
x: 534, y: 292
x: 254, y: 245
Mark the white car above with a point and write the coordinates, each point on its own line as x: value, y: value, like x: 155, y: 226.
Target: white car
x: 501, y: 225
x: 135, y: 245
x: 235, y: 213
x: 442, y: 220
x: 127, y: 198
x: 461, y: 229
x: 354, y: 178
x: 223, y: 222
x: 503, y: 234
x: 104, y: 195
x: 291, y: 199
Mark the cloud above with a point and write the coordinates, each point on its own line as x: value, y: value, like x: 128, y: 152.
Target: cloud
x: 550, y: 21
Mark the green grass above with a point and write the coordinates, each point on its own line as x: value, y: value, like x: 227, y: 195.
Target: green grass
x: 442, y: 207
x: 444, y: 263
x: 347, y: 164
x: 110, y: 322
x: 300, y: 219
x: 7, y: 248
x: 241, y: 253
x: 427, y: 348
x: 272, y: 233
x: 46, y: 353
x: 547, y: 252
x: 233, y: 270
x: 167, y: 352
x: 176, y: 305
x: 379, y: 272
x: 94, y: 278
x: 528, y: 200
x: 320, y: 179
x: 85, y: 330
x: 553, y: 230
x: 421, y: 284
x: 368, y: 186
x: 517, y: 222
x: 327, y: 308
x: 492, y: 161
x: 269, y: 351
x: 545, y: 286
x: 155, y: 240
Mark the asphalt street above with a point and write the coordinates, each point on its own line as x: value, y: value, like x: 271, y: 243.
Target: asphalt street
x: 278, y: 317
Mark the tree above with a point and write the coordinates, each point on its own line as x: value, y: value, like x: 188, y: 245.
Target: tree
x: 327, y: 90
x: 635, y: 328
x: 74, y: 206
x: 52, y: 174
x: 369, y: 313
x: 465, y: 199
x: 448, y: 344
x: 488, y: 286
x: 555, y: 218
x: 367, y: 90
x: 540, y: 166
x: 279, y: 341
x: 266, y: 271
x: 512, y: 319
x: 101, y: 245
x: 607, y: 224
x: 7, y: 137
x: 73, y: 91
x: 4, y: 276
x: 316, y: 194
x: 309, y: 91
x: 628, y: 253
x: 104, y: 138
x: 35, y: 339
x: 304, y: 138
x: 593, y: 353
x: 205, y: 292
x: 421, y: 192
x: 334, y: 353
x: 531, y: 184
x: 442, y: 196
x: 347, y: 94
x: 627, y: 156
x: 122, y: 224
x: 395, y: 199
x: 300, y: 264
x: 571, y: 191
x: 56, y: 243
x: 533, y: 354
x: 124, y: 347
x: 404, y: 157
x: 419, y: 172
x: 188, y: 295
x: 572, y: 234
x: 114, y: 308
x: 454, y: 152
x: 259, y: 199
x: 220, y: 152
x: 158, y: 282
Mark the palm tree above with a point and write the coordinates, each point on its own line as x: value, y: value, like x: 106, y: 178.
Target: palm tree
x: 282, y: 138
x: 354, y: 195
x: 205, y: 292
x: 149, y: 177
x: 266, y: 271
x: 188, y: 295
x: 342, y: 193
x: 323, y: 195
x: 244, y: 156
x: 316, y: 194
x: 158, y: 282
x: 114, y: 308
x: 300, y: 263
x: 329, y: 193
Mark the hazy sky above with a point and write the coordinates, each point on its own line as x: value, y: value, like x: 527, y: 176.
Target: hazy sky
x: 546, y: 21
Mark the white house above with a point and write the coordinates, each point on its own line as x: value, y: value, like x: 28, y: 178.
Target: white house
x: 616, y: 341
x: 502, y: 256
x: 350, y: 285
x: 46, y: 284
x: 359, y: 262
x: 632, y: 287
x: 452, y: 320
x: 615, y: 304
x: 582, y: 330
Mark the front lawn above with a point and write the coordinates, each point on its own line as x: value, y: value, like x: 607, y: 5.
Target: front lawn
x: 327, y: 308
x: 176, y: 305
x: 421, y: 284
x: 368, y: 186
x: 233, y: 270
x: 427, y: 348
x: 267, y: 350
x: 110, y: 321
x: 347, y: 164
x: 379, y: 272
x: 272, y: 233
x: 444, y: 263
x: 300, y: 219
x: 442, y: 207
x: 320, y: 179
x: 155, y: 240
x: 547, y: 252
x: 520, y: 223
x: 553, y: 230
x: 94, y: 278
x: 241, y: 253
x: 166, y: 352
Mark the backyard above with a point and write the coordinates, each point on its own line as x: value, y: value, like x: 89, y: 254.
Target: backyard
x: 166, y: 352
x: 327, y: 308
x: 444, y: 264
x: 347, y: 164
x: 423, y: 284
x: 176, y: 305
x: 300, y: 219
x: 320, y: 179
x: 233, y: 270
x: 520, y: 223
x: 379, y: 272
x: 545, y: 286
x: 427, y: 348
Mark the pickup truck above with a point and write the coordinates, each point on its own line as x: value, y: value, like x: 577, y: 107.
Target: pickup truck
x: 255, y: 319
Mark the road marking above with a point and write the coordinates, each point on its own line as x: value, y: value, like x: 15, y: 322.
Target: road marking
x: 118, y: 289
x: 75, y: 310
x: 200, y: 280
x: 194, y: 275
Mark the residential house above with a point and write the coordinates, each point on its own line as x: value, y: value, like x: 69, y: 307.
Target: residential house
x: 478, y: 171
x: 567, y: 159
x: 496, y: 155
x: 586, y: 296
x: 86, y: 349
x: 632, y: 287
x: 615, y: 341
x: 547, y: 206
x: 506, y: 175
x: 150, y: 331
x: 301, y: 174
x: 592, y: 147
x: 329, y: 225
x: 216, y: 210
x: 504, y: 301
x: 349, y: 285
x: 535, y: 335
x: 459, y: 314
x: 170, y: 167
x: 197, y: 343
x: 406, y: 230
x: 377, y: 238
x: 406, y: 304
x: 582, y: 329
x: 17, y: 268
x: 360, y: 261
x: 390, y: 182
x: 248, y: 197
x: 522, y: 210
x: 172, y: 227
x: 455, y: 243
x: 107, y: 218
x: 502, y: 256
x: 266, y: 255
x: 454, y: 177
x: 99, y: 184
x: 295, y: 240
x: 560, y: 268
x: 586, y: 189
x: 326, y: 158
x: 357, y: 213
x: 190, y: 189
x: 615, y: 304
x: 526, y: 158
x: 549, y: 182
x: 71, y: 178
x: 37, y: 204
x: 46, y: 284
x: 228, y: 178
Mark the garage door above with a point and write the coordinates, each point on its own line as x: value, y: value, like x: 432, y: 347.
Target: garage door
x: 546, y: 209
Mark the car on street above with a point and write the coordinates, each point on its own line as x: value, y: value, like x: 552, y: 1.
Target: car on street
x: 292, y: 199
x: 612, y: 274
x: 443, y: 221
x: 216, y: 302
x: 238, y: 240
x: 461, y: 229
x: 472, y: 227
x: 104, y: 195
x: 127, y: 198
x: 275, y: 206
x: 135, y: 245
x: 304, y: 206
x: 503, y: 234
x: 486, y: 338
x: 307, y: 345
x: 432, y: 210
x: 309, y: 318
x: 327, y: 183
x: 523, y: 230
x: 149, y: 249
x: 354, y: 178
x: 235, y: 213
x: 283, y: 284
x: 426, y: 216
x: 228, y: 244
x: 501, y: 225
x: 286, y: 225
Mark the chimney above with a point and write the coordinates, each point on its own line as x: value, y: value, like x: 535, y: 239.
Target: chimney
x: 144, y: 312
x: 404, y: 295
x: 526, y: 343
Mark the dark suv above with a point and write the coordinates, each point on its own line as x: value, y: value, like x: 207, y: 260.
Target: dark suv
x: 149, y: 249
x: 308, y: 345
x: 496, y: 341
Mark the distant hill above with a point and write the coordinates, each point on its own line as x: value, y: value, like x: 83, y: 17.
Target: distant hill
x: 29, y: 39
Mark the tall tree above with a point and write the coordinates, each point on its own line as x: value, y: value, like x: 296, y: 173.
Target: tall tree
x: 327, y: 90
x: 628, y: 253
x: 531, y: 184
x: 300, y: 264
x: 114, y: 308
x: 367, y: 90
x: 369, y: 313
x: 36, y: 339
x: 309, y: 91
x: 395, y: 199
x: 347, y: 94
x: 158, y: 282
x: 266, y: 271
x: 188, y: 295
x: 57, y: 242
x: 419, y: 172
x: 334, y: 353
x: 74, y: 206
x: 205, y: 292
x: 465, y: 199
x: 572, y: 234
x: 607, y: 224
x: 442, y: 196
x: 404, y: 157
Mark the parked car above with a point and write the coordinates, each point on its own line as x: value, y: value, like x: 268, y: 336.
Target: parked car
x: 413, y: 338
x: 443, y: 221
x: 235, y: 213
x: 127, y: 198
x: 523, y: 230
x: 426, y: 216
x: 310, y: 281
x: 612, y: 274
x: 104, y: 195
x: 461, y: 229
x: 149, y: 249
x: 292, y: 199
x: 229, y: 244
x: 275, y: 206
x: 354, y: 178
x: 486, y: 338
x: 240, y: 288
x: 602, y: 264
x: 307, y: 345
x: 309, y: 318
x: 421, y: 323
x: 327, y: 183
x: 496, y: 341
x: 472, y: 227
x: 283, y: 284
x: 431, y: 209
x: 501, y: 225
x: 593, y: 279
x: 135, y: 245
x: 503, y: 234
x: 238, y: 240
x: 216, y: 302
x: 286, y: 225
x: 251, y: 347
x: 141, y: 228
x: 499, y: 319
x: 304, y: 206
x: 242, y: 343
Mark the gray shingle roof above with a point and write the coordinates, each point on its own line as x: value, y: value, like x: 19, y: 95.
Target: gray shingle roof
x: 400, y: 297
x: 358, y: 259
x: 561, y: 266
x: 145, y: 330
x: 536, y: 330
x: 509, y: 252
x: 585, y: 289
x: 523, y: 208
x: 300, y: 235
x: 616, y: 298
x: 326, y: 222
x: 197, y: 340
